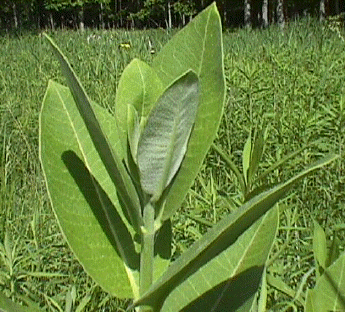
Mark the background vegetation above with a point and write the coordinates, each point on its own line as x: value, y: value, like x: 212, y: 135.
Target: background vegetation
x: 16, y: 14
x: 291, y: 82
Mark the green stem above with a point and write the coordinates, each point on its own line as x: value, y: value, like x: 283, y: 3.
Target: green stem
x: 147, y: 251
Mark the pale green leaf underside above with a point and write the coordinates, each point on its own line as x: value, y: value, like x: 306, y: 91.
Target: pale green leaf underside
x: 221, y: 236
x: 230, y: 280
x: 199, y: 47
x: 163, y: 142
x: 329, y: 292
x: 65, y: 146
x: 112, y: 160
x: 79, y: 186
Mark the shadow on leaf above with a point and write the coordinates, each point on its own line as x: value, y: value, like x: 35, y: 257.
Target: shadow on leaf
x: 103, y: 209
x: 235, y: 294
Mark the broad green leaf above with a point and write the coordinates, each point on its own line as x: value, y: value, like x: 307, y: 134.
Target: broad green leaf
x: 140, y: 87
x: 199, y: 47
x: 247, y: 152
x: 163, y: 142
x: 84, y: 197
x: 231, y: 279
x: 310, y: 302
x: 320, y: 245
x: 220, y: 237
x: 7, y: 305
x: 329, y: 292
x: 79, y: 186
x: 111, y: 160
x: 262, y: 302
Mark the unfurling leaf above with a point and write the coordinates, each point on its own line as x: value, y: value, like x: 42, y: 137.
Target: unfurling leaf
x: 164, y: 140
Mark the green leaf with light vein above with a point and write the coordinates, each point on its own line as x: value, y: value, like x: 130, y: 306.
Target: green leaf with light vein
x: 111, y: 160
x: 84, y: 197
x: 199, y: 47
x: 329, y: 292
x: 230, y: 280
x: 220, y: 237
x: 82, y: 193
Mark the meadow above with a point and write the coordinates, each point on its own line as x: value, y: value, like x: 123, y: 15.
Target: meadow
x: 289, y: 83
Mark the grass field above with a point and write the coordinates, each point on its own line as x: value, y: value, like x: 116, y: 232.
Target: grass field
x: 291, y: 83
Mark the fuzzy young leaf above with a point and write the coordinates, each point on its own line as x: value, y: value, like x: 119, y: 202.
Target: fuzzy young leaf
x: 134, y: 132
x: 163, y: 142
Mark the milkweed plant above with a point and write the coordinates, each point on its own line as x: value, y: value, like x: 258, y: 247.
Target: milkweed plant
x: 115, y: 180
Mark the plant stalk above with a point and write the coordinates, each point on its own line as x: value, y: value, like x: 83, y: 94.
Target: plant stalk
x: 147, y: 251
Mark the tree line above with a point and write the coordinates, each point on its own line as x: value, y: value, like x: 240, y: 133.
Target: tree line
x: 17, y: 14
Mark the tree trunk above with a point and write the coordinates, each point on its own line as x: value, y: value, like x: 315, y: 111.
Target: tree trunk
x: 101, y: 19
x: 280, y: 14
x: 51, y: 19
x: 40, y: 14
x: 169, y: 16
x: 81, y: 18
x: 322, y: 10
x: 265, y: 13
x: 247, y: 13
x: 15, y: 16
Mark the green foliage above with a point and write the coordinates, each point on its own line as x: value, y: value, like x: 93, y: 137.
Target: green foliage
x: 59, y: 5
x: 163, y: 142
x: 10, y: 306
x: 329, y: 291
x: 320, y: 247
x: 101, y: 183
x: 219, y: 238
x: 298, y: 89
x: 202, y: 38
x: 69, y: 168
